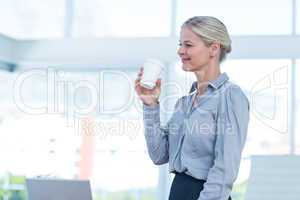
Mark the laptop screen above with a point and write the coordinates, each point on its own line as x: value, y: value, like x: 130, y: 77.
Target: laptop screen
x: 57, y: 189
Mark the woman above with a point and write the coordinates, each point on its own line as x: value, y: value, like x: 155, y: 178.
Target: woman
x: 205, y: 136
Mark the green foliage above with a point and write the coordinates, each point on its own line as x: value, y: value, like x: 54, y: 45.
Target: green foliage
x: 20, y: 180
x: 12, y: 194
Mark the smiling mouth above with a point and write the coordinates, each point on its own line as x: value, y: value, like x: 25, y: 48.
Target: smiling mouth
x: 185, y: 60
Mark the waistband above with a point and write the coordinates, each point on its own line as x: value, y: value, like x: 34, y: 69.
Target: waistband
x: 184, y: 175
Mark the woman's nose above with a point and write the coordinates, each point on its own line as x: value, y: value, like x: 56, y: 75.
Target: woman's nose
x: 180, y: 51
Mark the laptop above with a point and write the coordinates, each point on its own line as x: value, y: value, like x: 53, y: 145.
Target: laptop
x: 58, y: 189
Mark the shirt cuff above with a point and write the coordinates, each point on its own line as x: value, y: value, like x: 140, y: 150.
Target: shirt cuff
x: 151, y: 113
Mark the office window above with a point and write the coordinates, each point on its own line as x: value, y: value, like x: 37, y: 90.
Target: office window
x: 126, y: 18
x: 298, y: 16
x: 242, y: 17
x: 38, y: 146
x: 8, y: 27
x: 32, y: 19
x: 92, y: 128
x: 266, y: 84
x: 34, y: 144
x: 6, y: 85
x: 297, y: 108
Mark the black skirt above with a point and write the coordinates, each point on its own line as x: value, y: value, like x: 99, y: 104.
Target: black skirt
x: 185, y: 187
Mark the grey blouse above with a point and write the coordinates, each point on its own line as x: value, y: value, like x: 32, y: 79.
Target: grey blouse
x: 204, y: 140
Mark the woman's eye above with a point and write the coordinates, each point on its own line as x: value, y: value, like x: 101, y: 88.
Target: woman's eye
x: 185, y: 45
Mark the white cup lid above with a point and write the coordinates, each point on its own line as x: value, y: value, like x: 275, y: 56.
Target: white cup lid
x: 155, y: 61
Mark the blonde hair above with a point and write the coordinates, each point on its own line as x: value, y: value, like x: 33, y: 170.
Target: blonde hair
x: 210, y: 30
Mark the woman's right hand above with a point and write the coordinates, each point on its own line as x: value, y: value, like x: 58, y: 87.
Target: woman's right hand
x: 147, y: 96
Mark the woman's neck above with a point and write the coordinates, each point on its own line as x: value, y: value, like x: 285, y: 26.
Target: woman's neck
x: 206, y: 75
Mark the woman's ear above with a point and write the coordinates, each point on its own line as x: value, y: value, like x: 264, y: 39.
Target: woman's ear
x: 215, y: 49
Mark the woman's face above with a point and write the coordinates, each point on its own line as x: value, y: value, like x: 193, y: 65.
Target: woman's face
x: 194, y: 54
